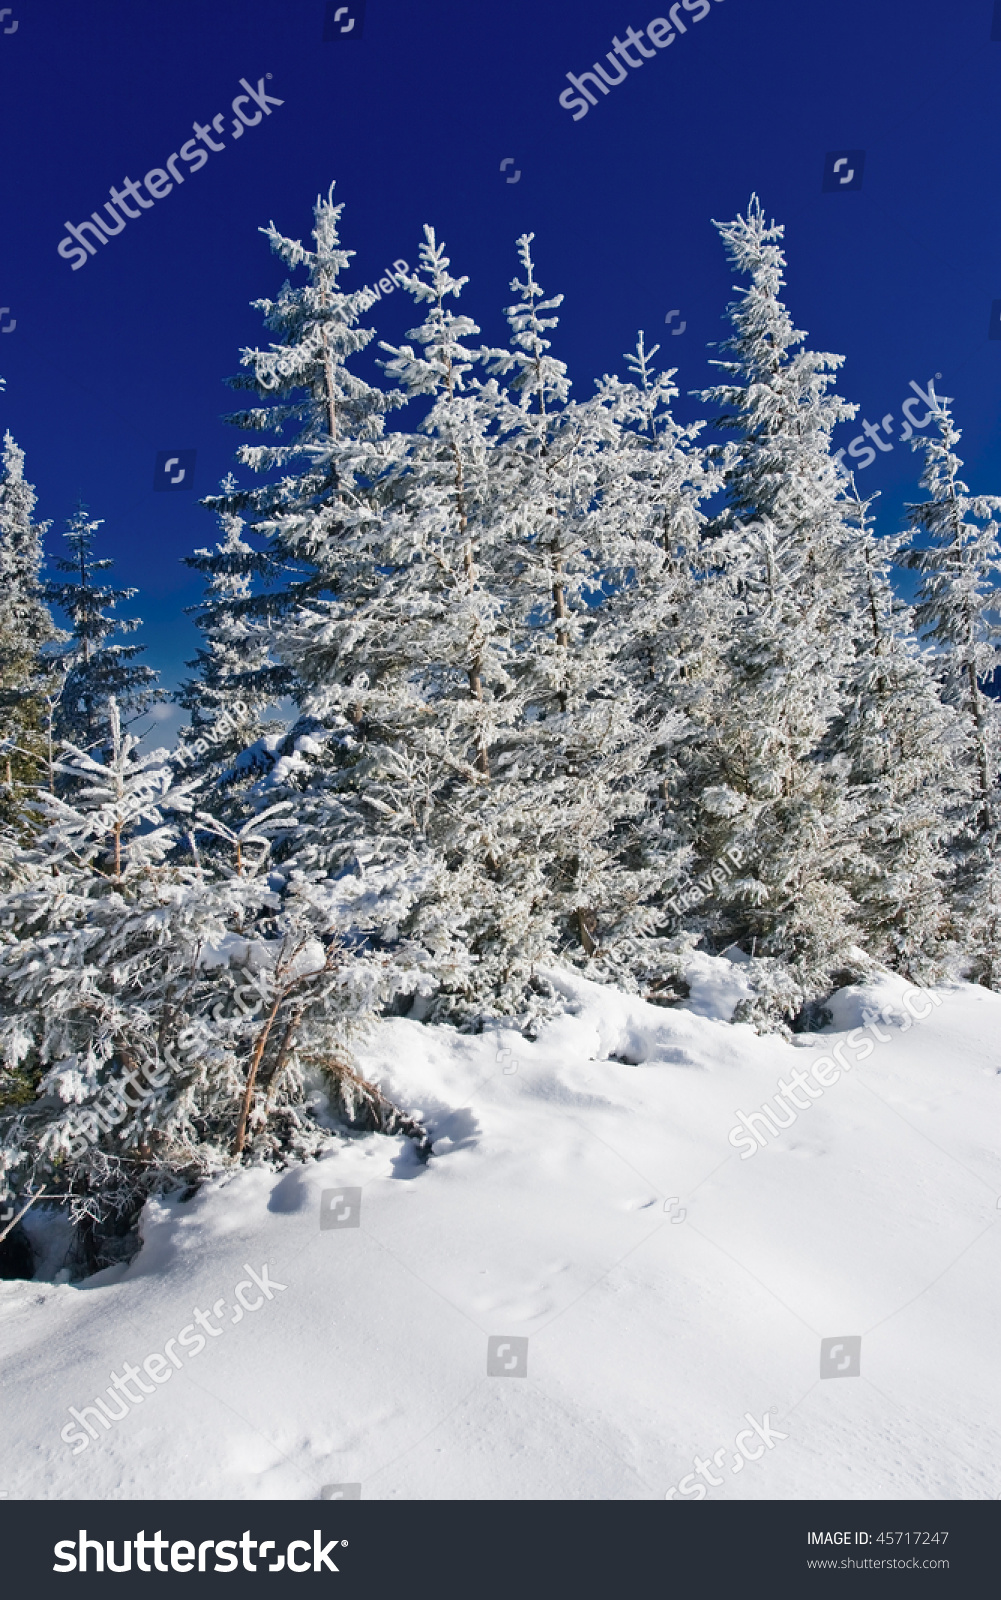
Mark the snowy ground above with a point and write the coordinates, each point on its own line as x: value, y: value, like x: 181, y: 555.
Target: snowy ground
x: 552, y: 1210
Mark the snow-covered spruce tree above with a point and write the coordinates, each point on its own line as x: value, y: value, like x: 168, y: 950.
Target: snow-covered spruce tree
x: 477, y: 571
x: 959, y: 604
x: 438, y: 526
x: 27, y: 683
x: 485, y: 905
x: 160, y: 1020
x: 653, y: 477
x: 96, y: 669
x: 227, y: 741
x: 539, y: 869
x: 338, y: 644
x: 782, y: 560
x: 905, y: 751
x: 448, y: 584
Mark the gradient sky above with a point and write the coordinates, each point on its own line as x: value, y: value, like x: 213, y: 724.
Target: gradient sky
x: 111, y: 364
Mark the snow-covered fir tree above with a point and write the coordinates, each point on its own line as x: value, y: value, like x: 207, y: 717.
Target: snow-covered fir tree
x: 959, y: 606
x: 337, y: 646
x: 543, y: 872
x: 447, y: 585
x: 781, y: 567
x: 97, y: 667
x: 905, y: 752
x: 441, y: 484
x: 492, y: 653
x: 227, y: 740
x: 647, y: 533
x: 27, y: 681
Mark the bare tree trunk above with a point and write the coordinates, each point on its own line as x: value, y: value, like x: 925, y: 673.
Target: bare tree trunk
x: 980, y: 744
x: 584, y: 917
x: 265, y: 1033
x: 328, y: 371
x: 474, y: 671
x: 283, y: 1054
x: 559, y: 607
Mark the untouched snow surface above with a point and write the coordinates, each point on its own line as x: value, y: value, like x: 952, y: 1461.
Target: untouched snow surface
x: 583, y: 1195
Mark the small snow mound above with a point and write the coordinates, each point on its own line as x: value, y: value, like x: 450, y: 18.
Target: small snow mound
x: 629, y: 1029
x: 889, y: 996
x: 717, y: 984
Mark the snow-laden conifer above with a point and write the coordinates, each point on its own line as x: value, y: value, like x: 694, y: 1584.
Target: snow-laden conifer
x: 443, y: 487
x: 227, y: 740
x: 161, y: 1018
x: 959, y: 605
x: 541, y: 869
x: 491, y: 596
x: 337, y: 647
x: 27, y: 682
x: 782, y: 563
x: 321, y: 517
x: 97, y: 668
x: 905, y: 752
x: 646, y: 530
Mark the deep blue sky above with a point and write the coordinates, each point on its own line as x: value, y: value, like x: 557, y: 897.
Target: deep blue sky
x: 124, y: 358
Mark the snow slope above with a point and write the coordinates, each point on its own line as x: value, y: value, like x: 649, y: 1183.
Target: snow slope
x: 552, y: 1210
